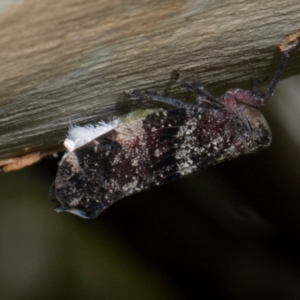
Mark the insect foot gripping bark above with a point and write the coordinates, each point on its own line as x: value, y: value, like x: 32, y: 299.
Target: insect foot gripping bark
x: 108, y: 161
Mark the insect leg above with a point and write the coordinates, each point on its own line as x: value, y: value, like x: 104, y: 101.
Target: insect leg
x: 279, y: 71
x: 201, y: 89
x: 255, y: 82
x: 257, y: 99
x: 157, y: 97
x: 196, y: 87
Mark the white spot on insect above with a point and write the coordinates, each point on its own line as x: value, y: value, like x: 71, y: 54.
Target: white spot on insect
x: 190, y: 130
x: 131, y: 186
x: 182, y: 131
x: 135, y: 162
x: 81, y: 135
x: 75, y: 201
x: 157, y: 152
x: 141, y: 143
x: 95, y: 145
x: 187, y: 170
x: 73, y: 161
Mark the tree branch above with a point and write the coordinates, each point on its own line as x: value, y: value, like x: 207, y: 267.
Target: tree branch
x: 70, y: 61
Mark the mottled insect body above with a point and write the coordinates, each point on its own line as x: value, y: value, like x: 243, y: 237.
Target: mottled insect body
x: 130, y: 155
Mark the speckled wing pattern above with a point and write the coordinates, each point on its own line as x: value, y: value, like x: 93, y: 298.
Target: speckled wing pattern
x: 146, y: 152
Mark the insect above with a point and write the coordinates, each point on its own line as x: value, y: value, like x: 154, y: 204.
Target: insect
x: 106, y: 162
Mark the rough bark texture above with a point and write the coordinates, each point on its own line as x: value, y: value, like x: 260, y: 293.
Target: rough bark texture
x: 70, y: 61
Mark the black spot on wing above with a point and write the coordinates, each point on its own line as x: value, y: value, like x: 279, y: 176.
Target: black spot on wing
x: 167, y: 122
x: 89, y: 183
x: 161, y: 136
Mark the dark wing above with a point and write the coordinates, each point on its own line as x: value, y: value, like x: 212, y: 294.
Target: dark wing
x: 135, y: 156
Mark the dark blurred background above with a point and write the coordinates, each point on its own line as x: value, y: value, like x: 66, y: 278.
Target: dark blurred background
x: 229, y: 232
